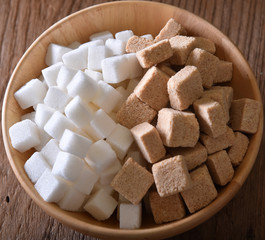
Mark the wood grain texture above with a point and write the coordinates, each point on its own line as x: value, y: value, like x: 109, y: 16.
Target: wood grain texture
x: 21, y: 22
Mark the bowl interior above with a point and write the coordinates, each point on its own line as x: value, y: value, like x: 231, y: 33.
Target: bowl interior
x: 142, y: 18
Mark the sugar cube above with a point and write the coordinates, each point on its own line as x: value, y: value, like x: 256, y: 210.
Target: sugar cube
x: 33, y: 92
x: 101, y: 205
x: 107, y: 97
x: 56, y: 125
x: 35, y: 166
x: 65, y: 76
x: 50, y: 187
x: 120, y: 139
x: 83, y: 86
x: 67, y: 166
x: 72, y: 200
x: 102, y: 124
x: 43, y: 114
x: 54, y: 53
x: 102, y: 155
x: 24, y: 135
x: 74, y: 143
x: 56, y: 98
x: 50, y: 151
x: 135, y: 213
x: 101, y: 36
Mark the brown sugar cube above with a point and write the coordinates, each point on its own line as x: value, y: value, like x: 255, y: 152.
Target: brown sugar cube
x: 219, y: 96
x: 238, y: 150
x: 166, y: 69
x: 224, y: 72
x: 171, y: 29
x: 228, y: 91
x: 177, y: 129
x: 245, y: 114
x: 152, y: 89
x: 193, y: 156
x: 132, y: 181
x: 184, y: 88
x: 134, y: 112
x: 202, y: 192
x: 216, y: 144
x: 171, y: 176
x: 220, y: 167
x: 210, y: 116
x: 206, y: 64
x: 149, y: 142
x: 166, y: 209
x: 205, y: 44
x: 135, y: 44
x: 182, y: 46
x: 154, y: 54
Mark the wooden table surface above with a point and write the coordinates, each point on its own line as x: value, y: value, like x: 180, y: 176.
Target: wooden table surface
x: 22, y: 21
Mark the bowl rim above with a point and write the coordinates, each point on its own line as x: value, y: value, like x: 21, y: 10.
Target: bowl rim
x: 167, y: 229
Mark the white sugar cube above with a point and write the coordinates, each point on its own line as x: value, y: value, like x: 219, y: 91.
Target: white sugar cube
x: 50, y: 187
x: 118, y: 68
x: 101, y: 36
x: 94, y: 74
x: 132, y: 84
x: 86, y: 180
x: 76, y: 59
x: 24, y: 135
x: 135, y: 69
x: 54, y: 53
x: 74, y: 143
x: 120, y: 139
x: 135, y: 213
x: 44, y: 139
x: 102, y: 155
x: 82, y: 86
x: 115, y: 69
x: 95, y: 55
x: 65, y: 76
x: 57, y: 124
x: 50, y: 73
x: 74, y: 45
x: 148, y: 36
x: 107, y: 175
x: 115, y: 46
x: 30, y: 116
x: 35, y: 166
x: 86, y: 45
x: 124, y: 35
x: 102, y: 124
x: 43, y: 114
x: 107, y: 97
x: 33, y: 92
x: 56, y: 98
x: 68, y: 166
x: 72, y: 200
x: 101, y: 205
x: 79, y: 112
x: 50, y: 151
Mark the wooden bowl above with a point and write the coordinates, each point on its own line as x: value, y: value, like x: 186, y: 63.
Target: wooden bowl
x: 142, y: 18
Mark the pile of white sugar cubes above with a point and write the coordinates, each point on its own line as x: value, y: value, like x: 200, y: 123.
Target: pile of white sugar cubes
x: 167, y: 93
x: 79, y: 146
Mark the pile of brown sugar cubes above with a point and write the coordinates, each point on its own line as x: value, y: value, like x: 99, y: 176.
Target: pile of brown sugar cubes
x: 189, y: 130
